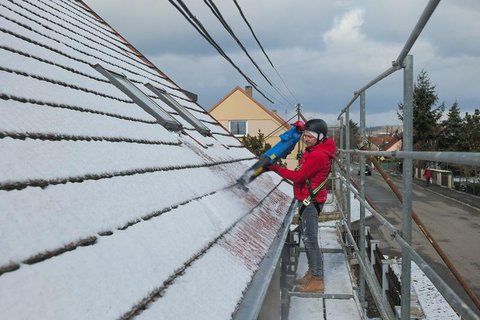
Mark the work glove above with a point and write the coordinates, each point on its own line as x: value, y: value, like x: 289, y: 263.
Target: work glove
x: 300, y: 125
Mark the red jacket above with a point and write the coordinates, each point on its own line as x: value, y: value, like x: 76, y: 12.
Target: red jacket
x: 427, y: 174
x: 314, y: 165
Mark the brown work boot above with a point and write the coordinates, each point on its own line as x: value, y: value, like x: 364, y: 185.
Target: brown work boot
x: 303, y: 280
x: 315, y: 284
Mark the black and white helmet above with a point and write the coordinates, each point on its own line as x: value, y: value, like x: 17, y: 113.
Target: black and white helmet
x: 317, y: 126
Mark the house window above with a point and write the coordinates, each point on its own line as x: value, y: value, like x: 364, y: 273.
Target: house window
x: 140, y: 98
x: 238, y: 127
x: 181, y: 110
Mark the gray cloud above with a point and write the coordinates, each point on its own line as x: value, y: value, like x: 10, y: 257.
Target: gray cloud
x: 324, y: 50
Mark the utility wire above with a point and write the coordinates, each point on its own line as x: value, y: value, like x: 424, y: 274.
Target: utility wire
x: 183, y: 9
x: 280, y: 126
x: 211, y: 5
x: 216, y: 12
x: 261, y: 47
x: 219, y: 16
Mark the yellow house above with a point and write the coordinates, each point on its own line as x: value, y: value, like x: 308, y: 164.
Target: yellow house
x: 241, y: 114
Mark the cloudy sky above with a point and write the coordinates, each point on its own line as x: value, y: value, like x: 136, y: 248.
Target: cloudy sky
x: 323, y: 50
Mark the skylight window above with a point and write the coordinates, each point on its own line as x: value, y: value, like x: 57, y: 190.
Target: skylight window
x: 182, y: 111
x: 140, y: 98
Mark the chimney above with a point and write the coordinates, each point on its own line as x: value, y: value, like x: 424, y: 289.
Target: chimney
x: 249, y: 90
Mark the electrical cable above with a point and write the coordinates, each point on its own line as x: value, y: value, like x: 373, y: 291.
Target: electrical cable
x: 183, y: 9
x: 216, y: 12
x: 219, y: 16
x: 261, y: 47
x: 280, y: 126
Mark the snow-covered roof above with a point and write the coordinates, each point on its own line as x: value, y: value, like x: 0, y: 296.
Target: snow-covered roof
x: 103, y: 211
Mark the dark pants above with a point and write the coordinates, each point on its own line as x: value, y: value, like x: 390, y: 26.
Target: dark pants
x: 309, y: 227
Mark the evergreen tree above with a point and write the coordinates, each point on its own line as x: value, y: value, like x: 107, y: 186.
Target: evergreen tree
x: 426, y: 116
x: 354, y: 130
x: 256, y: 145
x: 451, y: 138
x: 471, y: 132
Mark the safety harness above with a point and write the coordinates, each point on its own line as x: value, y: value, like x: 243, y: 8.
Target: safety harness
x: 311, y: 196
x: 312, y: 193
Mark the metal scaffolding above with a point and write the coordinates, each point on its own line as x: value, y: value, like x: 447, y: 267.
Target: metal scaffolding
x: 402, y: 237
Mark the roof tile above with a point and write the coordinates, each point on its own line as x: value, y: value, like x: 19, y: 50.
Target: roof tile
x: 104, y: 212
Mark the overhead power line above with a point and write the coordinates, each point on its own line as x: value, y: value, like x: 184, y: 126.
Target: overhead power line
x: 219, y: 16
x: 216, y: 12
x: 183, y: 9
x: 263, y: 50
x: 279, y: 127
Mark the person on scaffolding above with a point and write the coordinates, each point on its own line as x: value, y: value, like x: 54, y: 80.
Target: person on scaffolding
x: 309, y: 179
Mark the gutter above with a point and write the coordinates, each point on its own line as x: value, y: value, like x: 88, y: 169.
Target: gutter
x: 251, y: 304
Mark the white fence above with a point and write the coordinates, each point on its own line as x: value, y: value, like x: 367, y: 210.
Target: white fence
x: 439, y: 177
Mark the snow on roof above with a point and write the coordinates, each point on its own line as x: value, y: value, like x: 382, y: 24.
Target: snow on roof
x: 104, y: 212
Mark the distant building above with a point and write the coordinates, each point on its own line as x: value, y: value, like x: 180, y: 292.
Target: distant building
x: 385, y: 143
x: 242, y: 115
x: 388, y: 130
x: 394, y: 144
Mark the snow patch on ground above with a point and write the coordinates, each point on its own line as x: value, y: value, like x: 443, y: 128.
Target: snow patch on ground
x: 433, y: 304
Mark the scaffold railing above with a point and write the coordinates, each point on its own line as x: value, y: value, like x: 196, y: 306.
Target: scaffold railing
x: 403, y: 237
